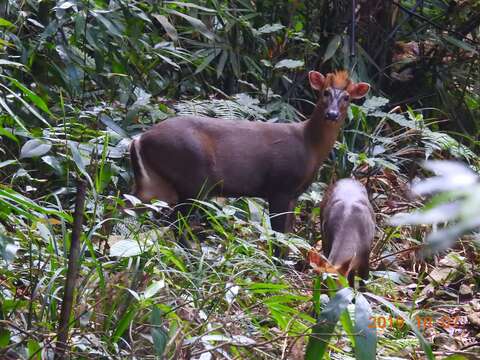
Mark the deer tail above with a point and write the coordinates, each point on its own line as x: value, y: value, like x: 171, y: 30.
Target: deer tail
x: 136, y: 162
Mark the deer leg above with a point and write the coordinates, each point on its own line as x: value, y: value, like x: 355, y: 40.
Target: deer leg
x: 156, y: 187
x: 363, y: 272
x: 281, y: 213
x: 179, y: 218
x: 281, y: 216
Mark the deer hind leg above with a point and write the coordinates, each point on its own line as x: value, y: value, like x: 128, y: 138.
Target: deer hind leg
x: 281, y: 217
x: 156, y: 187
x: 148, y: 184
x: 150, y: 187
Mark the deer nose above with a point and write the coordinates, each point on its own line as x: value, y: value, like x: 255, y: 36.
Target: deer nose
x: 331, y: 115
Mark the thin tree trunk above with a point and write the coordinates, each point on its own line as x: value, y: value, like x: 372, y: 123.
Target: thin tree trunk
x: 72, y: 272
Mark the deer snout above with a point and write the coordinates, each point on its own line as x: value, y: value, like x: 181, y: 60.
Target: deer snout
x: 332, y: 115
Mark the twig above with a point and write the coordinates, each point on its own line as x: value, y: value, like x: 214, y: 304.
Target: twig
x: 413, y: 248
x: 72, y: 271
x: 434, y: 24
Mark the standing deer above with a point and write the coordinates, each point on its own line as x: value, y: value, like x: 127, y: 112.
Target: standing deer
x: 180, y: 157
x: 348, y: 228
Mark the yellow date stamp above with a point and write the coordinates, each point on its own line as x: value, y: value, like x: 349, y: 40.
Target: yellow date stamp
x: 422, y: 322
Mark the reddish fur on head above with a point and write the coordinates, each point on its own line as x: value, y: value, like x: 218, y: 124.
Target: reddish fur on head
x: 339, y: 80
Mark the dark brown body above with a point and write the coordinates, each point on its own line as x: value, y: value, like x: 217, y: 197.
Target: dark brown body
x: 193, y: 157
x: 190, y: 157
x: 348, y: 228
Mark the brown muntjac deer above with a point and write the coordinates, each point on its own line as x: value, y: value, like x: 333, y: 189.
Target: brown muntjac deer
x: 181, y: 157
x: 348, y: 228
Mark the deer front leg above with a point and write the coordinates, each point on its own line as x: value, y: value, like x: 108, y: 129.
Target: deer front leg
x: 281, y: 217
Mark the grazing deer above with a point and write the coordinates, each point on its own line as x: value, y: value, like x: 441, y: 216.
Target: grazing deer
x: 348, y: 228
x: 180, y: 157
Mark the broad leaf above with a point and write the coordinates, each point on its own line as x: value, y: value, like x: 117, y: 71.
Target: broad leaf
x: 125, y: 248
x: 123, y: 324
x: 196, y: 23
x: 332, y: 47
x: 6, y: 23
x: 153, y: 289
x: 160, y: 336
x: 323, y: 330
x: 37, y: 100
x: 289, y: 64
x: 4, y: 62
x: 167, y: 26
x: 107, y: 120
x: 34, y: 148
x: 270, y: 28
x: 366, y: 339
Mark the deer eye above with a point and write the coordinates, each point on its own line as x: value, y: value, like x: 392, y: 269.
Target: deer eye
x: 346, y: 97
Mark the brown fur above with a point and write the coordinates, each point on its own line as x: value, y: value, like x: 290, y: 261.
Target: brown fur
x: 348, y: 228
x: 190, y: 157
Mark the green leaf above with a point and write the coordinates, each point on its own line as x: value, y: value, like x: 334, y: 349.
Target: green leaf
x: 104, y: 176
x: 77, y: 158
x: 171, y: 256
x: 8, y: 249
x: 262, y: 288
x: 270, y: 28
x: 192, y: 5
x: 196, y: 23
x: 110, y: 26
x: 6, y: 23
x: 123, y: 324
x: 19, y: 122
x: 8, y: 134
x: 34, y: 148
x: 167, y: 26
x: 26, y: 104
x: 366, y: 340
x: 53, y: 162
x: 37, y: 100
x: 332, y: 47
x: 347, y: 325
x: 317, y: 286
x: 4, y: 337
x: 159, y: 335
x: 323, y: 330
x: 289, y: 64
x: 206, y: 61
x: 10, y: 63
x: 461, y: 44
x: 108, y: 121
x: 125, y: 248
x: 34, y: 350
x: 153, y: 289
x: 374, y: 103
x: 9, y: 197
x: 7, y: 162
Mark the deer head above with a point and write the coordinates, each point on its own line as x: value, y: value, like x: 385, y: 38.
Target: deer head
x: 336, y: 91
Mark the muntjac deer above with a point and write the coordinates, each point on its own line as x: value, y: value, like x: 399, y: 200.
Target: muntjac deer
x: 348, y: 228
x: 181, y: 157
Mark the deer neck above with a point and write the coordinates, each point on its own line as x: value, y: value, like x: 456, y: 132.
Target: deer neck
x: 321, y: 134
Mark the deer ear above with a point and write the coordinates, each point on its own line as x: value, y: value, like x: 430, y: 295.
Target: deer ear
x: 317, y: 80
x: 358, y: 91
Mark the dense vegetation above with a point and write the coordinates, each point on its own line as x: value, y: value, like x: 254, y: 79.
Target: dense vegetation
x: 79, y: 78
